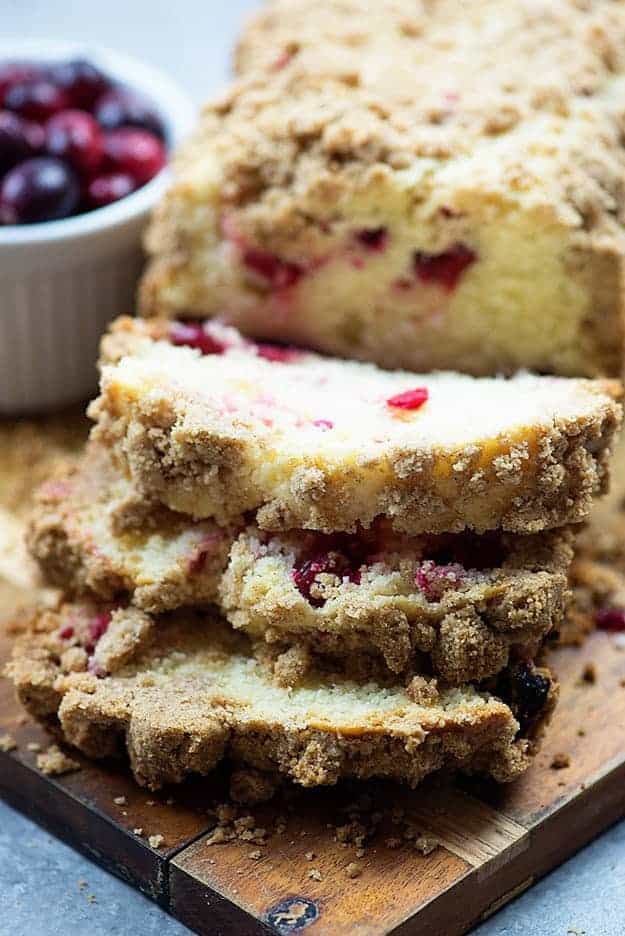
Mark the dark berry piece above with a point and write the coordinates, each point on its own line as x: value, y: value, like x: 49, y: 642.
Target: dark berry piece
x: 75, y: 136
x: 106, y: 189
x: 38, y: 99
x: 282, y: 354
x: 82, y: 81
x: 19, y: 140
x: 445, y: 268
x: 193, y: 335
x: 40, y: 189
x: 374, y: 239
x: 121, y: 107
x: 337, y: 554
x: 12, y: 73
x: 610, y: 619
x: 526, y: 691
x: 97, y: 628
x: 277, y: 273
x: 136, y: 152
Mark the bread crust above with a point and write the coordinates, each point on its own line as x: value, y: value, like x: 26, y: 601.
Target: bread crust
x: 176, y: 698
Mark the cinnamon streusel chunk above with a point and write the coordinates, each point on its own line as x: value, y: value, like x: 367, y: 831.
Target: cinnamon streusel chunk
x: 425, y: 185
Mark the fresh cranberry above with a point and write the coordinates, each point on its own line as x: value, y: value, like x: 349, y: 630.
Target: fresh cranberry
x: 409, y: 399
x: 339, y: 554
x: 12, y: 73
x: 19, y: 139
x: 610, y: 619
x: 193, y: 335
x: 75, y: 136
x: 67, y: 632
x: 444, y: 268
x: 374, y: 239
x: 279, y: 274
x: 278, y: 353
x: 82, y: 81
x: 106, y: 189
x: 97, y: 628
x: 434, y: 580
x: 136, y: 152
x: 36, y: 100
x: 40, y: 189
x: 121, y: 107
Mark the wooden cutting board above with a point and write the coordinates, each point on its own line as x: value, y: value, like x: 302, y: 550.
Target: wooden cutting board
x: 494, y: 841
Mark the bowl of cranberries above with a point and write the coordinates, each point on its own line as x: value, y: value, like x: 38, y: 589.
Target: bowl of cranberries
x: 85, y: 139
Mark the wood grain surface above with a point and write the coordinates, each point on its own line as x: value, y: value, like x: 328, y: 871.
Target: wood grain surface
x: 494, y: 841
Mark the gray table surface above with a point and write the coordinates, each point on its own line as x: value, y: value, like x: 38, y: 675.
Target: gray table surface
x: 39, y: 893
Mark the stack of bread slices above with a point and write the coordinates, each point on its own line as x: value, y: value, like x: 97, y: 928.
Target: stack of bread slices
x: 315, y: 566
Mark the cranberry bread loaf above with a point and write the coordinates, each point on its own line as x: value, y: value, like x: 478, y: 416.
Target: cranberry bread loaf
x: 316, y: 443
x: 178, y: 697
x: 424, y: 185
x: 461, y: 603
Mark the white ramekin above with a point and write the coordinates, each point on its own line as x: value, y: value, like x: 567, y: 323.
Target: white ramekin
x: 61, y: 282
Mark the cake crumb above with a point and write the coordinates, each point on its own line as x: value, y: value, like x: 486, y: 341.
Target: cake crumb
x: 120, y: 800
x: 137, y: 831
x: 53, y: 762
x: 560, y: 761
x: 7, y: 743
x: 581, y: 732
x: 353, y: 870
x: 33, y: 746
x: 255, y: 855
x: 81, y: 884
x: 155, y: 841
x: 393, y: 842
x: 315, y: 874
x: 426, y: 844
x: 360, y: 853
x: 150, y: 802
x: 423, y: 691
x: 589, y: 673
x: 309, y: 856
x: 92, y: 898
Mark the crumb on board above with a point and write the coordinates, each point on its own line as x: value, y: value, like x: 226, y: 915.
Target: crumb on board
x: 137, y: 831
x: 54, y: 762
x: 560, y: 761
x: 589, y: 673
x: 150, y: 802
x: 255, y: 855
x: 309, y: 856
x: 353, y: 870
x: 81, y: 884
x: 120, y: 800
x: 155, y: 841
x: 33, y: 746
x: 314, y: 874
x: 7, y: 743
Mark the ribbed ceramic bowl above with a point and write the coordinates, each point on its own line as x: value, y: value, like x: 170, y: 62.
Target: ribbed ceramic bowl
x: 61, y: 282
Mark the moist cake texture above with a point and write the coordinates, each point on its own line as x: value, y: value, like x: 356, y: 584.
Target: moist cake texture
x: 177, y: 698
x: 310, y: 442
x: 461, y: 604
x: 473, y: 224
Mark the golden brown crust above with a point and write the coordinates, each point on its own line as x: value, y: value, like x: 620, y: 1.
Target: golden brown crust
x: 167, y: 431
x: 320, y: 138
x: 187, y: 696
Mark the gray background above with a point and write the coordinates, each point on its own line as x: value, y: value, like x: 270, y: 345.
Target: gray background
x: 39, y: 894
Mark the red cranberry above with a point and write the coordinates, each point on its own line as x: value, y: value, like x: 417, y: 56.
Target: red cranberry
x: 374, y: 239
x: 193, y: 335
x: 97, y: 629
x: 19, y: 139
x: 106, y: 189
x: 75, y: 136
x: 82, y: 81
x: 278, y: 353
x: 40, y: 189
x: 136, y: 152
x: 280, y: 274
x: 12, y: 73
x: 409, y: 399
x: 610, y: 619
x: 67, y: 632
x: 343, y: 556
x: 36, y: 100
x: 121, y: 107
x: 434, y: 580
x: 444, y: 268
